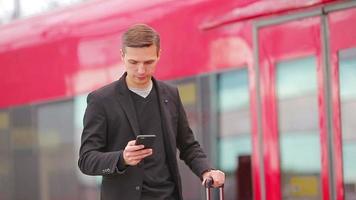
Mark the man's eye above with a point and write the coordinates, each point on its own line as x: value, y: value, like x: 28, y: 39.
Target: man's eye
x: 149, y: 62
x: 133, y: 62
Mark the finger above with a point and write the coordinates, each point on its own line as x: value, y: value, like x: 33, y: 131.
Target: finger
x: 140, y: 157
x: 208, y: 181
x: 218, y: 181
x: 131, y: 143
x: 203, y: 182
x: 135, y: 160
x: 134, y: 147
x: 138, y: 152
x: 206, y: 176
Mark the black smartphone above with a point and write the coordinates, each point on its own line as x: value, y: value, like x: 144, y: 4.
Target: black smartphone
x: 145, y: 140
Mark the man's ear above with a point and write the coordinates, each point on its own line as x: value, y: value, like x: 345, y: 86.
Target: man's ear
x: 122, y: 54
x: 159, y: 54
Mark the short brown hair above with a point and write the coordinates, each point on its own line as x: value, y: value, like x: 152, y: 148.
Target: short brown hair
x: 140, y: 35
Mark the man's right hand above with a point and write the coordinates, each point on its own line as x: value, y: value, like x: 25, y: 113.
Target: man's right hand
x: 133, y: 154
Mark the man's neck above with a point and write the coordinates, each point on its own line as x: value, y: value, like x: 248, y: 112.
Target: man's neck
x: 143, y: 92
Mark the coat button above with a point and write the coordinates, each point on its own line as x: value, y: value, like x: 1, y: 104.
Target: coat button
x: 137, y: 187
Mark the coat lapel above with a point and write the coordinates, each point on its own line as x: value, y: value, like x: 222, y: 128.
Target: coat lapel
x: 127, y: 104
x: 165, y: 115
x: 168, y: 133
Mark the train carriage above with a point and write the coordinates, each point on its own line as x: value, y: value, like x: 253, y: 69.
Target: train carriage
x: 269, y: 88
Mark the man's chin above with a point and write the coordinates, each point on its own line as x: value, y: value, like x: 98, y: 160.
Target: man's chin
x: 141, y: 82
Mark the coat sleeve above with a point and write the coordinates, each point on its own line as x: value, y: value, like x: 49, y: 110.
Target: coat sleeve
x: 190, y: 150
x: 93, y: 160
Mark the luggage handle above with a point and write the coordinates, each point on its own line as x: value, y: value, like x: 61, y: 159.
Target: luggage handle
x: 208, y: 185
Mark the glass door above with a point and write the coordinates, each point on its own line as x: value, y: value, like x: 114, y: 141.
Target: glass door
x: 293, y: 117
x: 343, y: 66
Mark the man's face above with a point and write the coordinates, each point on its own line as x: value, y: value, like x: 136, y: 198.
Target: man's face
x: 140, y: 64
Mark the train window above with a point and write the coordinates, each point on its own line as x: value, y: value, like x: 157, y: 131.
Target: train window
x: 5, y: 155
x: 234, y: 142
x: 347, y: 69
x: 25, y: 155
x: 300, y: 157
x: 234, y: 118
x: 188, y: 94
x: 55, y: 125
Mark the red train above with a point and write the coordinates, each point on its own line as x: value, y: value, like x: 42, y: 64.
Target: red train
x: 269, y: 88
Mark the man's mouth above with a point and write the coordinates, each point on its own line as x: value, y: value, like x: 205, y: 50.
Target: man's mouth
x: 141, y: 77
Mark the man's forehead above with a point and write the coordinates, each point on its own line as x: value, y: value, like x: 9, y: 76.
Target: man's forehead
x: 140, y: 54
x: 140, y: 57
x: 146, y: 50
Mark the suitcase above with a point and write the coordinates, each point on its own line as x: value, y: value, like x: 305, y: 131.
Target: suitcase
x: 208, y: 185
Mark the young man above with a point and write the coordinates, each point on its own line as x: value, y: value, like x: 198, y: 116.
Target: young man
x: 138, y: 104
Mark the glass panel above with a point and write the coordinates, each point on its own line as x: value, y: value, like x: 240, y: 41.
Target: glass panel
x: 24, y: 153
x: 234, y: 144
x: 5, y: 156
x: 347, y: 65
x: 234, y: 119
x: 188, y: 94
x: 38, y: 158
x: 296, y: 88
x: 55, y: 125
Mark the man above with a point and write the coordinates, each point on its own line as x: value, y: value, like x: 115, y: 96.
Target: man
x: 138, y: 104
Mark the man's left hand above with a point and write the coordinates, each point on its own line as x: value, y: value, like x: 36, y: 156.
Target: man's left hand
x: 217, y: 176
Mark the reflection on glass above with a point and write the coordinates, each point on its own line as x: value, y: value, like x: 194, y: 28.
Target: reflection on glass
x: 347, y: 68
x: 296, y: 87
x: 234, y: 144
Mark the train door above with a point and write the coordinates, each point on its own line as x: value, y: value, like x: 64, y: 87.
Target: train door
x: 294, y: 135
x: 307, y: 90
x: 343, y: 74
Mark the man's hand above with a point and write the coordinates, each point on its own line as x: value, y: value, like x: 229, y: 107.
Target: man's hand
x: 133, y: 154
x: 217, y: 176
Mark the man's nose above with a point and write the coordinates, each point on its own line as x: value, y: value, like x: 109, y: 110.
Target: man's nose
x: 141, y: 68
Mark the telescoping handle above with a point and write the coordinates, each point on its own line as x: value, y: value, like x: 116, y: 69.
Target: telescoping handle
x: 208, y: 185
